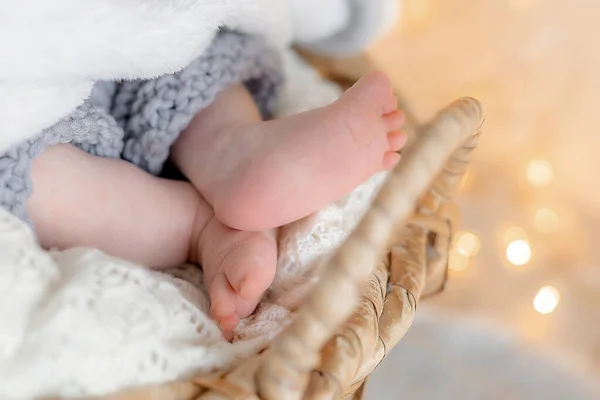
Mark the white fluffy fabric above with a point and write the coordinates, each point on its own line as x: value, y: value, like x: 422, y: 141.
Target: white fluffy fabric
x: 352, y: 27
x: 54, y: 50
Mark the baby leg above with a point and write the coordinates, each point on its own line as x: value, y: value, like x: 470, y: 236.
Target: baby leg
x: 259, y: 175
x: 82, y: 200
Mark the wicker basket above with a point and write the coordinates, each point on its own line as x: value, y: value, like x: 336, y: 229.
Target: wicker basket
x: 367, y: 297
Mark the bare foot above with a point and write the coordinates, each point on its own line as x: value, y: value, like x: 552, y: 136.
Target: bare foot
x: 267, y: 174
x: 238, y: 268
x: 259, y: 175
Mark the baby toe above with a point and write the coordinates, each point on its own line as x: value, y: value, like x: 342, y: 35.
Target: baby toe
x: 396, y: 140
x: 391, y: 105
x: 394, y: 120
x: 246, y: 275
x: 250, y: 269
x: 245, y: 308
x: 390, y: 160
x: 228, y: 324
x: 222, y: 298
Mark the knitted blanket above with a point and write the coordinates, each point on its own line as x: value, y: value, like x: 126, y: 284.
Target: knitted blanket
x: 138, y: 121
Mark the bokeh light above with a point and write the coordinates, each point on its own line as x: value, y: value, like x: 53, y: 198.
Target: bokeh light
x: 457, y: 261
x: 546, y: 220
x: 467, y: 243
x: 519, y: 252
x: 546, y: 300
x: 539, y: 172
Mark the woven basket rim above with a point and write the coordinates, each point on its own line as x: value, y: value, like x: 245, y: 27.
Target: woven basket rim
x: 356, y: 314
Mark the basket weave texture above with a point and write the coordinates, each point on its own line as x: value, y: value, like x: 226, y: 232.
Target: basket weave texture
x: 367, y: 296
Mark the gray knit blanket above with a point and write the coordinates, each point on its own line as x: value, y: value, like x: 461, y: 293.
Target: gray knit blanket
x: 138, y: 121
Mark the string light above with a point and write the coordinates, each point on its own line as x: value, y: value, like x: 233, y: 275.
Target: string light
x: 467, y: 243
x: 546, y: 220
x: 518, y: 252
x: 514, y: 233
x: 539, y: 172
x: 546, y: 300
x: 457, y: 261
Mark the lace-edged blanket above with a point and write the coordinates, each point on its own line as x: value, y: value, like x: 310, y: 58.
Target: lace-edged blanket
x: 79, y: 322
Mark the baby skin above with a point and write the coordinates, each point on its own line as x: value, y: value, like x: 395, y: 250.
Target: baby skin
x: 246, y: 178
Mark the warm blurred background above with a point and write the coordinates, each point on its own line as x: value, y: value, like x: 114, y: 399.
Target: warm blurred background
x: 528, y: 259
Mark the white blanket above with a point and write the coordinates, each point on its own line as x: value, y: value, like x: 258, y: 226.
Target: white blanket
x: 52, y: 51
x: 79, y: 322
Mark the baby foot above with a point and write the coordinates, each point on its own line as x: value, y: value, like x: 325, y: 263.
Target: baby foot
x: 238, y: 268
x: 275, y: 172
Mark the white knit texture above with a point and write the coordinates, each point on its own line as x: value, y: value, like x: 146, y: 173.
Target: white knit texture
x: 79, y: 322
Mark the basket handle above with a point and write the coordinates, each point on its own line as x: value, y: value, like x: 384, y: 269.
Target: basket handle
x: 285, y: 370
